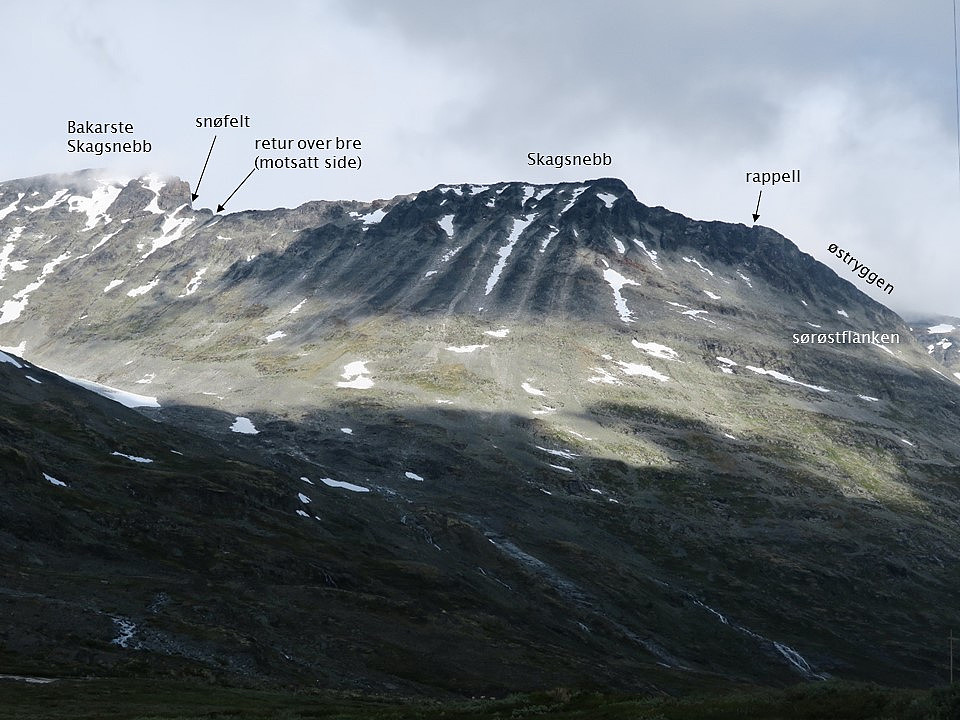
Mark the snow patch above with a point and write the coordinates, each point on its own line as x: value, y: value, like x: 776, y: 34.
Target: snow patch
x: 446, y: 223
x: 941, y: 328
x: 243, y: 425
x: 643, y: 370
x: 95, y: 207
x: 785, y: 378
x: 697, y: 263
x: 127, y: 399
x: 617, y: 282
x: 412, y: 476
x: 372, y: 218
x: 504, y: 252
x: 143, y: 289
x: 550, y: 236
x: 53, y: 480
x: 134, y: 458
x: 11, y: 207
x: 656, y: 350
x: 604, y: 377
x: 194, y: 283
x: 531, y: 389
x: 343, y: 485
x: 466, y: 348
x: 154, y: 184
x: 355, y: 375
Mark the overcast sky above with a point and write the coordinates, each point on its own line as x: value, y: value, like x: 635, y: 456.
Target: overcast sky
x: 685, y: 96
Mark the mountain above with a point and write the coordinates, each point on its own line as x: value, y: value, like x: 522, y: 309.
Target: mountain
x: 480, y: 438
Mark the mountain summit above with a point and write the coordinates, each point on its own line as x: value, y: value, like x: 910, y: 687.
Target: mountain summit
x: 477, y: 438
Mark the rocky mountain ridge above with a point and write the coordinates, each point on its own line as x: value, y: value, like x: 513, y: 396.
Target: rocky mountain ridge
x: 540, y: 434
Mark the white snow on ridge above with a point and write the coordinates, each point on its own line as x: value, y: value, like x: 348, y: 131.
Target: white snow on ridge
x: 96, y: 205
x: 785, y: 378
x: 412, y: 476
x: 244, y: 425
x: 112, y: 284
x: 143, y: 289
x: 194, y: 283
x: 747, y: 280
x: 842, y: 312
x: 12, y: 309
x: 941, y: 328
x: 11, y: 207
x: 372, y: 218
x: 154, y: 184
x: 617, y: 282
x: 58, y: 197
x: 868, y: 398
x: 446, y: 223
x: 652, y: 254
x: 466, y: 348
x: 356, y: 376
x: 5, y: 261
x: 104, y: 240
x: 573, y: 198
x: 172, y: 229
x: 501, y: 333
x: 656, y: 350
x: 504, y: 252
x: 711, y: 295
x: 297, y: 307
x: 127, y: 399
x: 608, y: 198
x: 275, y: 336
x: 621, y: 248
x: 550, y: 236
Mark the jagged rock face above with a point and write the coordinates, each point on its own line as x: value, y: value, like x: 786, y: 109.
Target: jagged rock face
x: 550, y: 435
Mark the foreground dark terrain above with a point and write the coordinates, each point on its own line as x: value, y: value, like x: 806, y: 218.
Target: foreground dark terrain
x: 139, y: 700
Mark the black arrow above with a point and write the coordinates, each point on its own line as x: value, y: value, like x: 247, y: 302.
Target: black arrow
x: 195, y: 196
x: 220, y: 206
x: 756, y: 215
